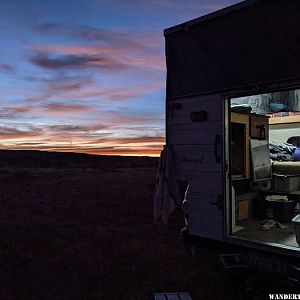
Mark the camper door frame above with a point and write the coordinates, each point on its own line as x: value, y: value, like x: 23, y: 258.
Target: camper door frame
x: 228, y: 236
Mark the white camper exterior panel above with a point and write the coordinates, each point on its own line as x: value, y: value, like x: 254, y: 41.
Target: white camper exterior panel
x: 197, y: 143
x: 205, y: 208
x: 195, y: 161
x: 183, y: 134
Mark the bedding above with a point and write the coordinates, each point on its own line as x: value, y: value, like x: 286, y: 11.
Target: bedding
x: 281, y: 151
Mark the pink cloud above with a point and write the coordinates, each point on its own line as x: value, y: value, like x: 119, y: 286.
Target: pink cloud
x: 9, y: 133
x: 12, y: 112
x: 118, y: 119
x: 113, y: 56
x: 48, y: 108
x: 62, y: 108
x: 61, y: 83
x: 103, y: 36
x: 6, y: 67
x: 71, y: 61
x: 78, y: 128
x: 109, y: 93
x: 127, y: 93
x: 202, y: 7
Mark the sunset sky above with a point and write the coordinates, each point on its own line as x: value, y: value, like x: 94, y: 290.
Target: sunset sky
x: 87, y: 76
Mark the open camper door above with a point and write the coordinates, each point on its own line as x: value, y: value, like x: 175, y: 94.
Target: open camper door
x: 195, y: 134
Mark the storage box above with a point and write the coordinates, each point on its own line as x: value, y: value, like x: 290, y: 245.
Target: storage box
x: 296, y: 221
x: 283, y: 211
x: 243, y: 208
x: 262, y: 209
x: 243, y: 202
x: 285, y: 183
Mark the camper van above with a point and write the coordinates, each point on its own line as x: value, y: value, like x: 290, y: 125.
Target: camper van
x: 233, y: 126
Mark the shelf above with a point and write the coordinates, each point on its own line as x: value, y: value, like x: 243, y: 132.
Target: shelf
x: 238, y: 177
x: 286, y: 193
x: 284, y: 120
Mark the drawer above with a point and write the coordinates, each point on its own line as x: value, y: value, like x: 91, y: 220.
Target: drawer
x: 259, y: 127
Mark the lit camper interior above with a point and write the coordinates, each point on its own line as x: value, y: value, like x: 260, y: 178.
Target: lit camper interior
x: 265, y: 168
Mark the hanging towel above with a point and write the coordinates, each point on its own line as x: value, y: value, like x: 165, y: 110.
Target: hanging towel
x: 167, y: 196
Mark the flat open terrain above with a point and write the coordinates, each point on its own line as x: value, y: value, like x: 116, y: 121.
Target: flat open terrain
x: 88, y: 233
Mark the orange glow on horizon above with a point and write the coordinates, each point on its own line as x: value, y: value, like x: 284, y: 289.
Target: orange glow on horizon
x: 116, y: 152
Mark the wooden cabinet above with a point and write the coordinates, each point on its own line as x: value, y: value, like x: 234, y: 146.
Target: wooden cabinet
x: 243, y: 128
x: 240, y: 157
x: 259, y: 127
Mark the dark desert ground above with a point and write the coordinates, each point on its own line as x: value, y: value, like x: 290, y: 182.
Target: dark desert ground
x: 76, y: 226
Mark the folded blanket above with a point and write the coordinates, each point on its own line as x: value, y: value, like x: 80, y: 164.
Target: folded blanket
x: 281, y: 151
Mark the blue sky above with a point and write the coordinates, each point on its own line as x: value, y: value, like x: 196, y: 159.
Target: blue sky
x: 87, y: 76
